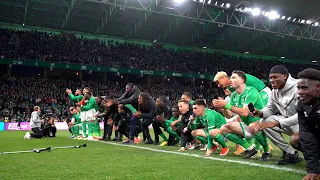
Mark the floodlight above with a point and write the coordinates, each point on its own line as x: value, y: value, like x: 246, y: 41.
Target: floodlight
x: 222, y: 4
x: 316, y: 24
x: 247, y: 9
x: 294, y: 19
x: 283, y: 17
x: 180, y: 1
x: 273, y: 15
x: 255, y: 11
x: 216, y: 3
x: 308, y: 22
x: 209, y: 2
x: 228, y: 5
x: 302, y: 21
x: 289, y: 18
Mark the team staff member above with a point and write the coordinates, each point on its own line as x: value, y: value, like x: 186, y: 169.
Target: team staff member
x: 308, y: 109
x: 280, y: 115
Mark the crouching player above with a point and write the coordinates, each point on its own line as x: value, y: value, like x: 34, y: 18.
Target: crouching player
x: 212, y: 122
x: 240, y: 102
x: 75, y: 122
x: 166, y: 124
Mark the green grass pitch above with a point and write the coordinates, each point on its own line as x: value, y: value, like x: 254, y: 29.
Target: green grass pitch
x: 100, y: 160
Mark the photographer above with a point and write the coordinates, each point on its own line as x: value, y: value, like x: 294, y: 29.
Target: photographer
x: 49, y: 129
x: 35, y: 124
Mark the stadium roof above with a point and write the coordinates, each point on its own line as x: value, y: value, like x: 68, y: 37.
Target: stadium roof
x: 207, y: 23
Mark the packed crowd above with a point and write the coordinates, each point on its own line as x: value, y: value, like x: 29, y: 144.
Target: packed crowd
x: 42, y: 46
x: 19, y: 94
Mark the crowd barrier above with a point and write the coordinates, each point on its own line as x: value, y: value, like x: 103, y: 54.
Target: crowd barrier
x: 1, y: 126
x: 13, y: 126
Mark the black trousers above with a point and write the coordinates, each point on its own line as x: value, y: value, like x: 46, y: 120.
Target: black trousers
x: 157, y: 131
x: 37, y: 133
x: 49, y: 132
x: 107, y: 131
x: 145, y: 127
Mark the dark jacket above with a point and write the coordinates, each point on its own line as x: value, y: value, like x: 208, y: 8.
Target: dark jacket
x: 130, y: 97
x: 149, y: 111
x: 309, y: 127
x: 184, y: 123
x: 113, y: 113
x: 103, y: 110
x: 164, y: 111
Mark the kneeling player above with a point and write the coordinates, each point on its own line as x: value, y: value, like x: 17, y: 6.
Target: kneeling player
x: 239, y: 104
x: 212, y: 121
x: 75, y: 122
x: 166, y: 124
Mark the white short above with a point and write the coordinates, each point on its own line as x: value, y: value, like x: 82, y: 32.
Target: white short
x: 245, y: 130
x: 90, y: 115
x: 87, y: 115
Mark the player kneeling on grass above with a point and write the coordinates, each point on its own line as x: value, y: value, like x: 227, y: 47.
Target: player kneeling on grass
x: 49, y: 129
x: 239, y: 104
x: 212, y: 121
x: 35, y: 124
x: 75, y: 122
x: 166, y: 124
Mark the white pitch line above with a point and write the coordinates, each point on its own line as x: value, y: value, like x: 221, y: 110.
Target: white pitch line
x: 281, y: 168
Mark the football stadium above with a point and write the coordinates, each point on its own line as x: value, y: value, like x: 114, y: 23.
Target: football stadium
x: 160, y: 89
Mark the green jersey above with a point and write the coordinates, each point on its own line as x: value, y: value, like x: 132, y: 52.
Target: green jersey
x: 131, y: 108
x: 210, y: 120
x: 249, y: 95
x: 252, y: 81
x: 191, y: 102
x: 167, y: 123
x: 77, y: 118
x: 91, y: 104
x: 75, y: 98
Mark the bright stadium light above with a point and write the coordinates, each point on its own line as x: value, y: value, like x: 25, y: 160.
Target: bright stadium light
x: 216, y: 3
x: 204, y: 47
x: 314, y: 61
x: 302, y: 21
x: 283, y: 17
x: 283, y: 57
x: 247, y: 9
x: 256, y: 12
x: 209, y: 2
x: 294, y: 19
x: 308, y: 22
x: 289, y: 18
x: 180, y: 1
x: 228, y: 5
x: 272, y: 15
x: 201, y: 1
x: 316, y: 24
x: 222, y: 4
